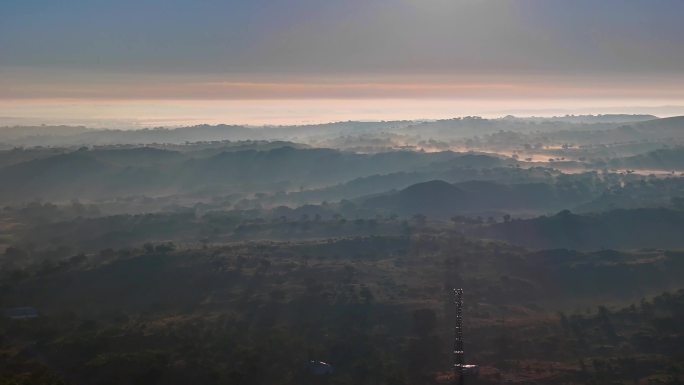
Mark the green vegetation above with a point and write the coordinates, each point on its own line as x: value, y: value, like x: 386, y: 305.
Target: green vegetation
x: 374, y: 306
x: 153, y: 261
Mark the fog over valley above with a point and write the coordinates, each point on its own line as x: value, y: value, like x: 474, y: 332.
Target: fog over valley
x: 305, y: 192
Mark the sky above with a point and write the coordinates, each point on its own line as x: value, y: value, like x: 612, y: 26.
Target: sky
x: 158, y: 62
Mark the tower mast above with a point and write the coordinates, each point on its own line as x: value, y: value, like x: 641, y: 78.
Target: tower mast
x: 459, y: 360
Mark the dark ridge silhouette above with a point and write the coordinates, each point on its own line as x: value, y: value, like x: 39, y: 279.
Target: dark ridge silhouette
x: 440, y: 199
x: 617, y: 229
x: 661, y: 159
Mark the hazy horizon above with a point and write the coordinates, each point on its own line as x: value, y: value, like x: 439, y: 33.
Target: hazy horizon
x: 170, y: 113
x: 292, y: 62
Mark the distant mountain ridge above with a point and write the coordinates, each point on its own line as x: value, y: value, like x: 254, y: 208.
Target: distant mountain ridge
x: 102, y: 173
x: 444, y: 128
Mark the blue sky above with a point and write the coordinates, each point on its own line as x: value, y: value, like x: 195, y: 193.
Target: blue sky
x: 351, y: 36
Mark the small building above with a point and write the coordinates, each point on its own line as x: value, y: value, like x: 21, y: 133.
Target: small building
x: 25, y: 312
x: 470, y: 370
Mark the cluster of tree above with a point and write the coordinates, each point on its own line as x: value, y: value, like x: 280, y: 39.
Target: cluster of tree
x: 376, y: 308
x: 620, y: 228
